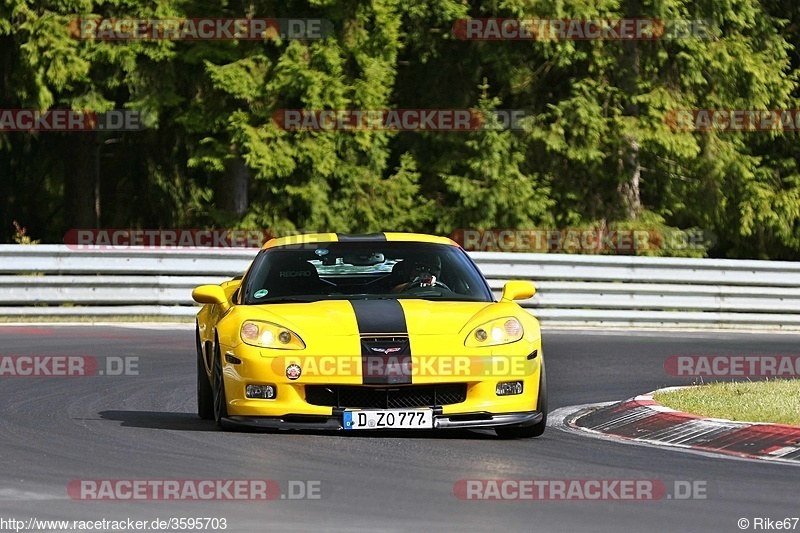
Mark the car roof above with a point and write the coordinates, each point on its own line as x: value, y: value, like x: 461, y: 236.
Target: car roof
x: 309, y: 238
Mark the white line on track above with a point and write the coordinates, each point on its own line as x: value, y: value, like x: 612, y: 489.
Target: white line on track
x: 129, y: 325
x: 21, y: 495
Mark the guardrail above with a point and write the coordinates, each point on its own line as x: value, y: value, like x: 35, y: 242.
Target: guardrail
x: 52, y: 280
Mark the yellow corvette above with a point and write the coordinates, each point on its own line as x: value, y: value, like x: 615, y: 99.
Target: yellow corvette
x: 361, y: 332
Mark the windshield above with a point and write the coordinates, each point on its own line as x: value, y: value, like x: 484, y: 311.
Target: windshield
x: 363, y: 270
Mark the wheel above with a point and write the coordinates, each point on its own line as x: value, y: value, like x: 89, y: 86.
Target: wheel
x: 526, y: 432
x: 205, y: 396
x: 220, y: 403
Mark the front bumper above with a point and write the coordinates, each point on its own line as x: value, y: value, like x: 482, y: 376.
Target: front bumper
x: 461, y: 396
x: 440, y: 421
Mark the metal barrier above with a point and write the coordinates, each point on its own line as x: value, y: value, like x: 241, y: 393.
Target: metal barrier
x: 52, y: 280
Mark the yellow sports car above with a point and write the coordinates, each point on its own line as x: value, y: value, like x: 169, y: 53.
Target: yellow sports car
x: 361, y: 332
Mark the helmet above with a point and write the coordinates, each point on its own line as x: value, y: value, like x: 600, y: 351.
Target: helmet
x: 429, y: 263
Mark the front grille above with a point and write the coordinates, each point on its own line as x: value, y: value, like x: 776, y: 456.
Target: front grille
x: 386, y: 360
x: 386, y: 397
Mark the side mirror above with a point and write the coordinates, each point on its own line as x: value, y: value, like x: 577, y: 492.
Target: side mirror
x: 210, y: 294
x: 518, y: 290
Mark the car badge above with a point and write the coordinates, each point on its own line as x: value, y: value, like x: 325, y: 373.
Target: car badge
x: 293, y: 371
x: 387, y: 351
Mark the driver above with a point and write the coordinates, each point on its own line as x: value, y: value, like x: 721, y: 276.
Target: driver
x: 423, y: 270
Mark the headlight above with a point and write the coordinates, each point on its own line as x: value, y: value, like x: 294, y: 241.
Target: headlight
x: 499, y: 331
x: 269, y: 335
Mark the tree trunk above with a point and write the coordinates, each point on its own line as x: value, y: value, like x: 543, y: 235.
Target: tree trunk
x: 629, y: 161
x: 79, y: 180
x: 631, y: 170
x: 233, y: 188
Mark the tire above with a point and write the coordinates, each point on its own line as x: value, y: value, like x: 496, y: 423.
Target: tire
x: 526, y: 432
x: 205, y: 395
x: 220, y: 403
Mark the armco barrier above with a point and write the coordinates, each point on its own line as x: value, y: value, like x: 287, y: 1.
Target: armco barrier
x: 51, y: 280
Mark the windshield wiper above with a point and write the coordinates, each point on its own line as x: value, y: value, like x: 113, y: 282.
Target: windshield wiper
x: 284, y: 300
x: 442, y: 297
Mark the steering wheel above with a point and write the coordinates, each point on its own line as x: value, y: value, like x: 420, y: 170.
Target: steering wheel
x: 416, y: 284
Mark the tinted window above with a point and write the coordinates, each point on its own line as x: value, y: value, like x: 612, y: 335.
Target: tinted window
x: 363, y: 270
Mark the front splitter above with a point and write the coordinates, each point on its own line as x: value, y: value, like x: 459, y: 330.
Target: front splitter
x: 440, y: 421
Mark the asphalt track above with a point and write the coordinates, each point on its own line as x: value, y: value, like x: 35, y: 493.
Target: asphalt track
x: 54, y: 430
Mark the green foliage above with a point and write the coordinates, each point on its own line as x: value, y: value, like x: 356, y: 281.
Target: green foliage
x: 21, y: 235
x: 490, y: 185
x: 598, y: 152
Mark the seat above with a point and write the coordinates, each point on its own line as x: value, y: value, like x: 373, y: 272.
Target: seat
x: 293, y: 277
x: 401, y: 273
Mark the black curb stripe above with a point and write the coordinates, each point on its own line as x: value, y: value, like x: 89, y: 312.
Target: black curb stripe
x: 382, y: 326
x: 365, y: 237
x: 631, y: 419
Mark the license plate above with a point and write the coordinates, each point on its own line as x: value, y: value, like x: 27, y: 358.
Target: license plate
x: 388, y: 419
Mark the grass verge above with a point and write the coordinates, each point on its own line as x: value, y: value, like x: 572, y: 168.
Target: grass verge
x: 773, y: 401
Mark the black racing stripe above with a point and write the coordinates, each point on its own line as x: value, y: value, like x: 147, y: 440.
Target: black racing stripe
x: 364, y: 237
x: 380, y: 317
x: 385, y: 348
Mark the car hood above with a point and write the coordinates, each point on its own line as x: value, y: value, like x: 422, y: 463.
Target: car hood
x: 365, y: 317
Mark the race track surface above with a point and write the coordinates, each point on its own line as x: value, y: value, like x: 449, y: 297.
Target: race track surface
x: 54, y: 430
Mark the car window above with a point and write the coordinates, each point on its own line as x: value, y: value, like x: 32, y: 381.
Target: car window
x: 364, y: 270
